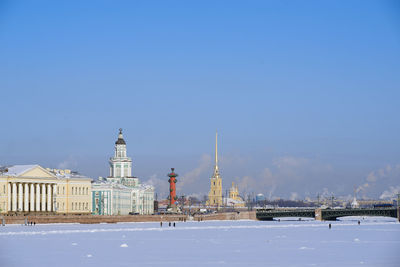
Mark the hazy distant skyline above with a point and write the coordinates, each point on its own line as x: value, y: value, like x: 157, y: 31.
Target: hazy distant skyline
x: 304, y: 95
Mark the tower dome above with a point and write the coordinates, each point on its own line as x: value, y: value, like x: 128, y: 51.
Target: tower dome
x: 120, y: 140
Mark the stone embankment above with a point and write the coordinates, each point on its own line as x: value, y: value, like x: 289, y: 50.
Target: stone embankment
x: 91, y: 219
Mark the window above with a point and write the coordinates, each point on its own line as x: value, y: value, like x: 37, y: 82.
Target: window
x: 63, y: 190
x: 58, y: 190
x: 4, y: 189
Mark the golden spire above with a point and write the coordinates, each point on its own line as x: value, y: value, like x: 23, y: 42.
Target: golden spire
x: 216, y: 148
x: 216, y: 172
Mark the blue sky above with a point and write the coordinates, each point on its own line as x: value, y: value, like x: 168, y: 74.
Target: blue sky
x: 304, y: 94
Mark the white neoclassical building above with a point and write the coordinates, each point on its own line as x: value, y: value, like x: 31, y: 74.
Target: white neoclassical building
x: 34, y: 189
x: 121, y: 193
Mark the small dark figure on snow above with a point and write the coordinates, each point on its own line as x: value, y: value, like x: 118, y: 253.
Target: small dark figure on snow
x: 330, y: 226
x: 160, y: 224
x: 169, y: 224
x: 174, y: 224
x: 358, y: 222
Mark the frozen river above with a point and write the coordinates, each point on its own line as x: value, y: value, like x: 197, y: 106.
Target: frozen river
x: 376, y: 242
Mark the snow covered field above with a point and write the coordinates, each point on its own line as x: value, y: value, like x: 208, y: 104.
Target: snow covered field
x: 376, y: 242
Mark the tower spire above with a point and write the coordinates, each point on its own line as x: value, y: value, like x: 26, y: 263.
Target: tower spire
x: 216, y: 148
x: 216, y: 171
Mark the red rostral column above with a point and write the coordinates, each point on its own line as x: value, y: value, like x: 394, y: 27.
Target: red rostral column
x: 172, y: 187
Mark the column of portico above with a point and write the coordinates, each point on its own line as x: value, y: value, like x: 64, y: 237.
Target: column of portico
x: 54, y: 197
x: 14, y: 197
x: 32, y: 203
x: 43, y: 197
x: 26, y: 197
x: 37, y: 197
x: 20, y: 199
x: 9, y: 196
x: 49, y: 197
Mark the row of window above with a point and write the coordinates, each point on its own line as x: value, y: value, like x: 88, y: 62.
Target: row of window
x: 75, y: 206
x: 80, y: 191
x: 75, y: 190
x: 80, y: 206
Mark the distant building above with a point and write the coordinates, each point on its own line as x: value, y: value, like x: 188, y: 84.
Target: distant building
x: 355, y: 204
x: 260, y: 197
x: 215, y: 194
x: 34, y: 189
x: 234, y: 198
x: 121, y: 193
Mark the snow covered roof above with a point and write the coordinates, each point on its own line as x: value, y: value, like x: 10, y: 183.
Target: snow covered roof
x: 108, y: 185
x: 67, y: 174
x: 231, y: 201
x: 71, y: 175
x: 17, y: 170
x: 145, y: 186
x: 118, y: 185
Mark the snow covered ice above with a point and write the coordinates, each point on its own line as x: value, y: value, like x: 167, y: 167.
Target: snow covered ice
x: 376, y: 242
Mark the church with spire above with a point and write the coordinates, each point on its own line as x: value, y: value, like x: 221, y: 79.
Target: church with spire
x: 215, y: 194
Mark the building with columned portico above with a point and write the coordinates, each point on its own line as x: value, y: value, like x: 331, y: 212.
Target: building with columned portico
x: 34, y: 189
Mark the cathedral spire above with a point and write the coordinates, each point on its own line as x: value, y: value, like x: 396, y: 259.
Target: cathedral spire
x: 216, y: 149
x: 216, y: 171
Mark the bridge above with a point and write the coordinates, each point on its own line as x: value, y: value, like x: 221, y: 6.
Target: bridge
x: 270, y: 214
x: 325, y: 214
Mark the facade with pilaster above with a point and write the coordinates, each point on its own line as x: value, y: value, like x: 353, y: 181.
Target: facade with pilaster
x: 34, y: 189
